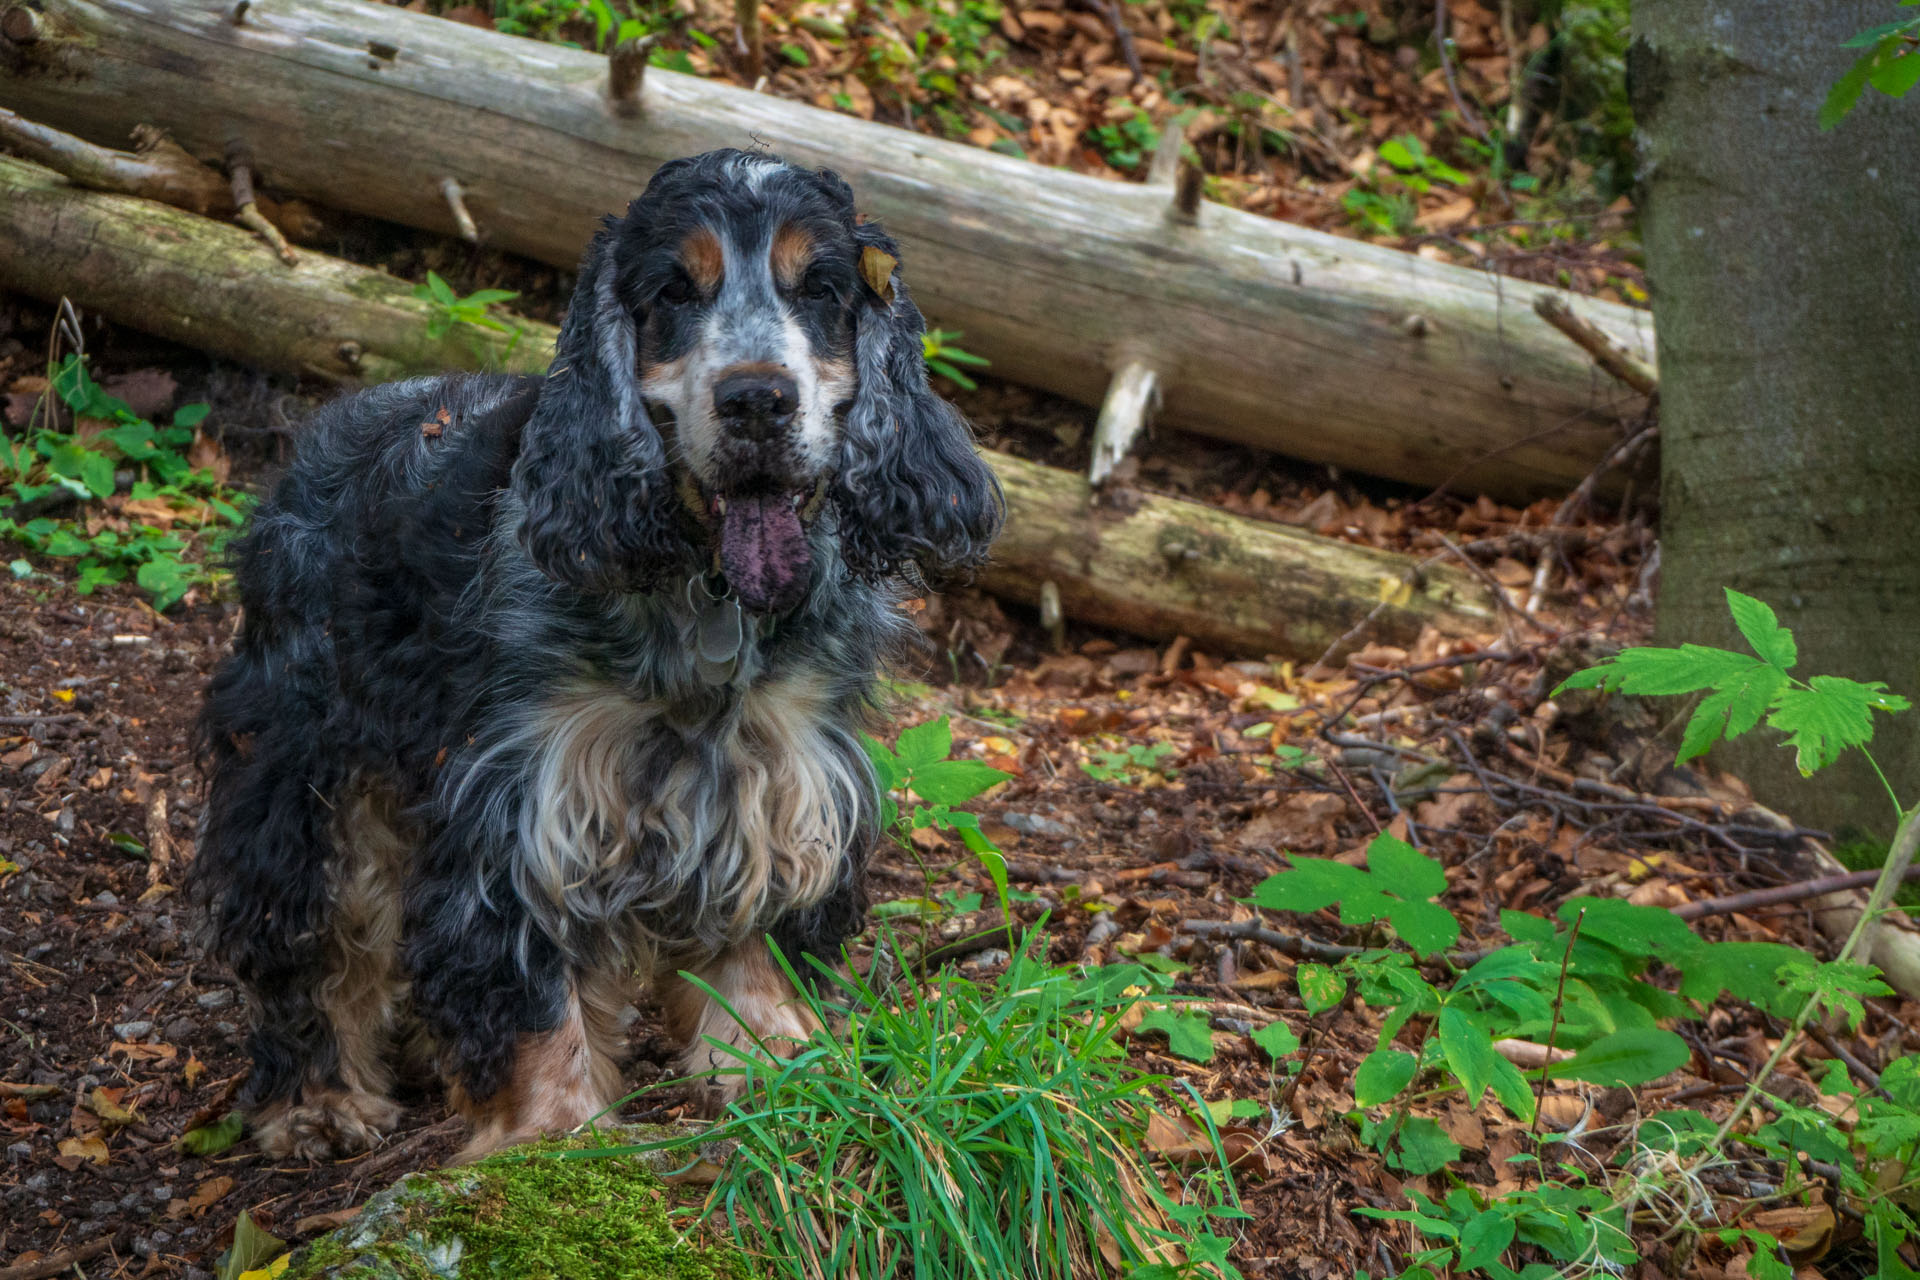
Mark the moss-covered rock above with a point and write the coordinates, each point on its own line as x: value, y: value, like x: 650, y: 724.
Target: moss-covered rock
x: 525, y: 1215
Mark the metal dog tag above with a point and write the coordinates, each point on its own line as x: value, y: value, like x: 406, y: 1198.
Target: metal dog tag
x: 719, y: 630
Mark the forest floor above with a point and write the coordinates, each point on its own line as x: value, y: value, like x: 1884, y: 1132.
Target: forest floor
x: 1152, y: 788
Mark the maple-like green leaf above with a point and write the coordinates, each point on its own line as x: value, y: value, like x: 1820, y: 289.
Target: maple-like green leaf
x: 1759, y: 624
x: 1732, y: 709
x: 1651, y: 671
x: 1830, y: 715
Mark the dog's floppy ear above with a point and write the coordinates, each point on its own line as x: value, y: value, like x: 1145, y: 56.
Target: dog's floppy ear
x: 911, y: 490
x: 599, y: 508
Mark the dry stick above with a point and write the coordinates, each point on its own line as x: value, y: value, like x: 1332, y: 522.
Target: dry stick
x: 65, y: 1260
x: 627, y: 72
x: 25, y: 722
x: 1797, y: 892
x: 1581, y: 495
x: 457, y: 206
x: 1553, y: 1030
x: 747, y: 38
x: 1441, y: 42
x: 1110, y: 10
x: 240, y: 170
x: 157, y: 169
x: 1606, y: 353
x: 21, y: 25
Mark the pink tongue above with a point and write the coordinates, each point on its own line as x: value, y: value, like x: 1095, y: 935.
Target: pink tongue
x: 764, y: 552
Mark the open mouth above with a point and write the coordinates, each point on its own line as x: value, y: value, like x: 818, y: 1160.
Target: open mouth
x: 763, y: 547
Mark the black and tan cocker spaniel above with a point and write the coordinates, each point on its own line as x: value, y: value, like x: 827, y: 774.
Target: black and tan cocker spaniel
x: 549, y: 686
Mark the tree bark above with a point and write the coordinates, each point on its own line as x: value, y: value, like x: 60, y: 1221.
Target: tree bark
x: 1786, y: 284
x: 1257, y: 331
x: 1155, y: 566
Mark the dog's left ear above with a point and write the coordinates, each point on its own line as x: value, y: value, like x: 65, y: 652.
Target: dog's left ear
x: 592, y: 478
x: 911, y: 489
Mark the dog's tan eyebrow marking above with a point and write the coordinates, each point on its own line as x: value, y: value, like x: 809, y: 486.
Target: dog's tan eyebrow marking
x: 704, y: 259
x: 792, y: 250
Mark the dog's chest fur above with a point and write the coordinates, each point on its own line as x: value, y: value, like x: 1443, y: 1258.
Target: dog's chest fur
x: 682, y: 826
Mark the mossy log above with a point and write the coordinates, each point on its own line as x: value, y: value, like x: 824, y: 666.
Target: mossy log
x: 1256, y: 331
x: 1154, y: 566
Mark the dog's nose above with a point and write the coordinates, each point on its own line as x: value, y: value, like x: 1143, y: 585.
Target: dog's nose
x: 756, y: 403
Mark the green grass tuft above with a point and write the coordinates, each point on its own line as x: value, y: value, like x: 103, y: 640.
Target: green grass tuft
x: 947, y: 1129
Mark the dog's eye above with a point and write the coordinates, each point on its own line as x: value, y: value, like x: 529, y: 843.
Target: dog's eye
x: 818, y: 286
x: 678, y: 291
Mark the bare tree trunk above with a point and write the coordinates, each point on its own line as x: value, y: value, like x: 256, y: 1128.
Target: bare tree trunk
x: 1786, y: 283
x: 1272, y: 335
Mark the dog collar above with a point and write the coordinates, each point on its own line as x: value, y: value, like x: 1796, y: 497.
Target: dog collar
x: 719, y: 631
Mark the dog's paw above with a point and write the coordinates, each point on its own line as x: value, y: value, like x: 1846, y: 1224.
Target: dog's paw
x: 324, y: 1124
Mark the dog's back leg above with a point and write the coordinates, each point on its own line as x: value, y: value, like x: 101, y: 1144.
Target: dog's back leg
x: 300, y: 887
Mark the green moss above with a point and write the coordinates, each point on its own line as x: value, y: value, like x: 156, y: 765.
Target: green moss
x: 524, y: 1215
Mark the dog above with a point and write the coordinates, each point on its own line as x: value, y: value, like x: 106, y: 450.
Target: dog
x: 549, y: 686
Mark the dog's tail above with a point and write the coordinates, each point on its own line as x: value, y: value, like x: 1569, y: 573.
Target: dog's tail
x: 260, y: 872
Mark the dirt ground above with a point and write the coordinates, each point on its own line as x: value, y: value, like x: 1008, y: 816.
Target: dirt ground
x: 117, y: 1038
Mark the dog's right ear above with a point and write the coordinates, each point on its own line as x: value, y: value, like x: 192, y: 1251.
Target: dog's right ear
x: 599, y: 509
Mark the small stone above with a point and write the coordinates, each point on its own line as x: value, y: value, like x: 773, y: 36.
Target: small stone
x: 133, y: 1030
x: 19, y: 1152
x: 218, y: 998
x: 162, y: 1193
x: 180, y: 1029
x: 1033, y: 824
x: 106, y: 898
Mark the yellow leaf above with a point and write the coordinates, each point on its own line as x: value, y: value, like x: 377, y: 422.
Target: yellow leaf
x: 269, y: 1272
x: 876, y: 267
x: 64, y: 695
x: 90, y: 1147
x: 1395, y: 591
x: 1267, y: 698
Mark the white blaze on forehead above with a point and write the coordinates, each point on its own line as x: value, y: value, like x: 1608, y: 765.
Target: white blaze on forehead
x: 748, y: 323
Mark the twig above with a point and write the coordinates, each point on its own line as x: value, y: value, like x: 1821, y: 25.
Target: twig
x: 246, y: 213
x: 1443, y: 43
x: 1553, y: 1030
x: 27, y: 722
x: 1110, y: 10
x: 1492, y: 584
x: 1299, y: 948
x: 1797, y: 892
x: 747, y: 38
x: 65, y: 1260
x: 1581, y: 495
x: 627, y: 72
x: 457, y: 205
x: 405, y: 1149
x: 158, y: 169
x: 1606, y: 353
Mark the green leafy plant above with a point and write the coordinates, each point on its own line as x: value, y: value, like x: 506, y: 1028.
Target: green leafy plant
x: 1132, y: 763
x: 1890, y: 65
x: 963, y: 1130
x: 937, y: 347
x: 917, y: 766
x: 1385, y: 203
x: 1127, y: 144
x: 449, y: 310
x: 75, y: 468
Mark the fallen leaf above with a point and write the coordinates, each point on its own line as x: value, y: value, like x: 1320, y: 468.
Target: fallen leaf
x: 207, y: 1193
x: 314, y: 1223
x: 105, y: 1103
x: 91, y: 1147
x: 212, y: 1139
x: 30, y: 1092
x: 144, y: 1052
x: 876, y: 268
x: 192, y: 1072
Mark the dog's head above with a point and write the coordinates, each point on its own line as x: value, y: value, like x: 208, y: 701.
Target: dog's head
x: 740, y: 360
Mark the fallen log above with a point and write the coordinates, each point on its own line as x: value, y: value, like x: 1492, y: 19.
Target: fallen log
x: 1253, y: 330
x: 1155, y: 566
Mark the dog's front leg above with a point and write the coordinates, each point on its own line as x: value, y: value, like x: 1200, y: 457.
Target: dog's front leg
x: 757, y: 1007
x: 527, y: 1039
